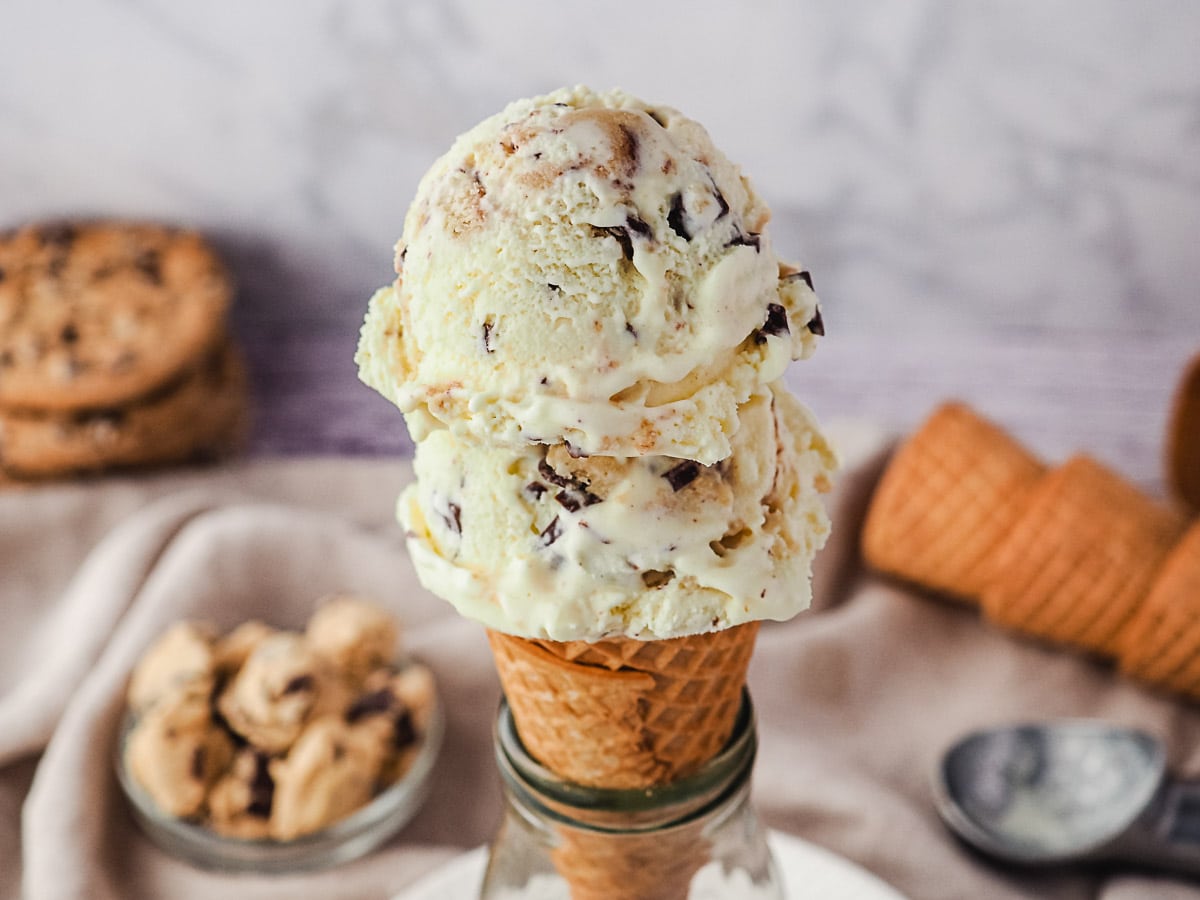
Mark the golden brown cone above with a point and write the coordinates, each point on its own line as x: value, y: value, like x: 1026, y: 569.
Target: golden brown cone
x: 653, y: 866
x: 947, y: 500
x: 622, y: 713
x: 1183, y: 438
x: 1080, y: 558
x: 1161, y: 645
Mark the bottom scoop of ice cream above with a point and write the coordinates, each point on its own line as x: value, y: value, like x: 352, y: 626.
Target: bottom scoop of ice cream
x: 543, y: 544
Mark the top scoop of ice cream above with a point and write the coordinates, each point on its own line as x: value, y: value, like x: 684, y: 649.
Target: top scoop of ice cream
x: 589, y: 269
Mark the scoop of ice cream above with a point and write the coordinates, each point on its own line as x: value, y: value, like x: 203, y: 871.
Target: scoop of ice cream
x: 542, y: 544
x: 590, y: 269
x: 176, y: 751
x: 352, y: 634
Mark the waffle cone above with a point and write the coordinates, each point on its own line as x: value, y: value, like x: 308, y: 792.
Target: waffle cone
x: 1161, y: 645
x: 1080, y: 558
x: 653, y: 866
x: 947, y: 500
x: 1183, y: 439
x: 622, y: 713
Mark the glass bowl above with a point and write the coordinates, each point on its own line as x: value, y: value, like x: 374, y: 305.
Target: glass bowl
x: 354, y: 836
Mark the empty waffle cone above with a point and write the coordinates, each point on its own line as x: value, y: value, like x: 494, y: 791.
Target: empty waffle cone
x: 622, y: 713
x: 1080, y: 558
x: 1161, y: 645
x: 948, y: 498
x: 1183, y: 439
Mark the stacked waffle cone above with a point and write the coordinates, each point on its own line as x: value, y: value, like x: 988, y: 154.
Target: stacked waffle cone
x: 1073, y: 555
x: 946, y: 502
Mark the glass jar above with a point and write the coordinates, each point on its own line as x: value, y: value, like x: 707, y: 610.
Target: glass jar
x: 697, y: 837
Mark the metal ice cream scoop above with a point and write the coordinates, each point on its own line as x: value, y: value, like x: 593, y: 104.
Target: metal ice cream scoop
x: 1070, y: 792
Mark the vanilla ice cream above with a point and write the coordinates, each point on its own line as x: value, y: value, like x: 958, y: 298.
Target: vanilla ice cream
x: 542, y: 544
x: 586, y: 336
x: 587, y: 269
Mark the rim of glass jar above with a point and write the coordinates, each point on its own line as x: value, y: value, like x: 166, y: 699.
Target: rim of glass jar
x: 617, y: 810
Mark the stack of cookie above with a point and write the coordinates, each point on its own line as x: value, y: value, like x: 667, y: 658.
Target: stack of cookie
x: 113, y: 350
x: 1074, y: 555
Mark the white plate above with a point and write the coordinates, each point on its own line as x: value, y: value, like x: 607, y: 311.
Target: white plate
x: 815, y: 872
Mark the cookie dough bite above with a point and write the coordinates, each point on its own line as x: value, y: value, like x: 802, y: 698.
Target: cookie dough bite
x: 182, y: 656
x: 271, y: 697
x: 413, y: 686
x: 332, y: 770
x: 353, y: 634
x: 231, y: 651
x: 239, y: 805
x: 176, y: 751
x: 397, y: 707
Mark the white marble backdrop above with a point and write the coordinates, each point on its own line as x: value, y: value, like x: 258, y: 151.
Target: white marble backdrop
x: 1002, y: 173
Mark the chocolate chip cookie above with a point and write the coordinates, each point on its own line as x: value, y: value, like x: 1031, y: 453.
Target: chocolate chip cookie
x: 200, y: 416
x: 95, y: 314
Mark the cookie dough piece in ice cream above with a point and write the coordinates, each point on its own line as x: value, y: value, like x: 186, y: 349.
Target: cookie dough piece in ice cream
x: 542, y: 544
x: 273, y: 694
x: 331, y: 771
x: 589, y: 268
x: 353, y: 635
x: 176, y: 751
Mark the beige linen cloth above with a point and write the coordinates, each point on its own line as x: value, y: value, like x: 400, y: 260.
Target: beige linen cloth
x: 856, y: 699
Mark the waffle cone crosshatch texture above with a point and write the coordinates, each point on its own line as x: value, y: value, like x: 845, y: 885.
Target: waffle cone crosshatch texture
x: 1081, y: 558
x: 621, y: 713
x: 1163, y: 643
x: 947, y: 499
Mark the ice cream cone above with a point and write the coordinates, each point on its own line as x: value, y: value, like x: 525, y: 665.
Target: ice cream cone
x: 1161, y: 645
x: 1183, y: 438
x: 1080, y: 558
x: 946, y: 501
x: 603, y: 443
x: 623, y: 713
